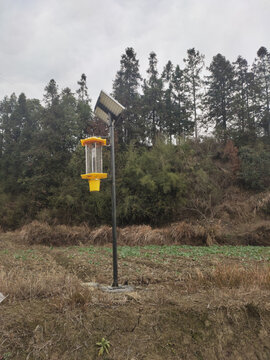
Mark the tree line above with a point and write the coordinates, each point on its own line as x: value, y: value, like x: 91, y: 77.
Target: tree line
x: 41, y: 158
x: 230, y: 98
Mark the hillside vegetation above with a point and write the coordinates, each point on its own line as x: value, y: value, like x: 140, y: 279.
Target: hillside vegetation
x: 167, y: 183
x: 166, y: 172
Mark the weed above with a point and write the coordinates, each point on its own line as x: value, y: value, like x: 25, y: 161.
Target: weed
x: 104, y: 346
x: 6, y: 356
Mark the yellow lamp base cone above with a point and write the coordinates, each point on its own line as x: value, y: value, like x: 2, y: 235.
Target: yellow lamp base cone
x: 94, y: 180
x: 94, y: 184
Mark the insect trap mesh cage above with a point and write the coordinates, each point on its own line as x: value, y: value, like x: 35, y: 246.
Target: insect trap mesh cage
x: 93, y: 162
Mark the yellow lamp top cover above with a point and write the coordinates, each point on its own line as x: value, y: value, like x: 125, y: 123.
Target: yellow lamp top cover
x: 92, y: 140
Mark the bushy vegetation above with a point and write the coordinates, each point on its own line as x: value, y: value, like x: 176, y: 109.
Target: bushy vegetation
x: 165, y: 171
x: 154, y: 186
x: 255, y: 167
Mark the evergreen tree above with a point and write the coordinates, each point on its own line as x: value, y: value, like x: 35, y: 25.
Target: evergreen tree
x: 194, y: 66
x: 168, y: 116
x: 219, y: 96
x: 262, y: 71
x: 30, y: 111
x: 244, y: 107
x: 18, y: 128
x: 126, y: 91
x: 26, y: 113
x: 183, y: 122
x: 11, y: 126
x: 85, y: 122
x: 152, y: 101
x: 83, y: 89
x: 55, y: 142
x: 51, y: 96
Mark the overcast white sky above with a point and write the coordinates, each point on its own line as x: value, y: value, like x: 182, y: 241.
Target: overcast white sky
x: 61, y: 39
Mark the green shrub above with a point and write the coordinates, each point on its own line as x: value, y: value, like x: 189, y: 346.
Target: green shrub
x: 254, y: 171
x: 152, y: 184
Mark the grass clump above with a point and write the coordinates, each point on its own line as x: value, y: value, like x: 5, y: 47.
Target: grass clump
x: 194, y: 234
x: 22, y: 284
x: 58, y: 235
x: 236, y: 276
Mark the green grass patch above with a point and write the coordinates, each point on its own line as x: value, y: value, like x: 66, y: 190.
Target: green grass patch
x: 185, y: 251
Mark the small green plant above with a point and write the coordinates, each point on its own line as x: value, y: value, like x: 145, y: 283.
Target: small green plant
x: 20, y: 257
x: 6, y: 356
x: 104, y: 346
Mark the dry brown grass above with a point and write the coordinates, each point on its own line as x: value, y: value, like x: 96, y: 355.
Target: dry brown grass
x: 257, y: 234
x: 237, y: 211
x: 101, y: 235
x: 194, y: 234
x: 182, y: 233
x: 237, y: 276
x: 61, y: 235
x: 177, y: 233
x: 261, y: 203
x: 143, y: 235
x: 58, y: 235
x: 22, y: 284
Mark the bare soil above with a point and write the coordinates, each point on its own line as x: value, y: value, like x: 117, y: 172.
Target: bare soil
x: 188, y: 303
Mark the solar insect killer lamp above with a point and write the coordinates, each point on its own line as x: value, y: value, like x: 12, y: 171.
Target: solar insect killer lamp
x: 108, y: 110
x: 93, y: 162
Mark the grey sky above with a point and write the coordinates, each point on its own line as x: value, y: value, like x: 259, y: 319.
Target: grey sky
x: 61, y: 39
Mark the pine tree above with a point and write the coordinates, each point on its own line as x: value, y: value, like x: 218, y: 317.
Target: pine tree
x: 243, y: 103
x: 219, y: 96
x: 55, y: 142
x: 194, y: 66
x: 30, y: 111
x: 85, y: 122
x: 152, y: 101
x: 19, y: 128
x: 168, y: 116
x: 11, y: 126
x: 126, y: 91
x: 51, y: 96
x: 183, y: 107
x: 83, y: 89
x: 262, y: 71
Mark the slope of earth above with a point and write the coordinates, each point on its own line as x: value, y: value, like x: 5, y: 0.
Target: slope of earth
x: 188, y: 302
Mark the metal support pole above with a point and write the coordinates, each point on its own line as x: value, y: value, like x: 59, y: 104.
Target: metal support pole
x: 114, y: 236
